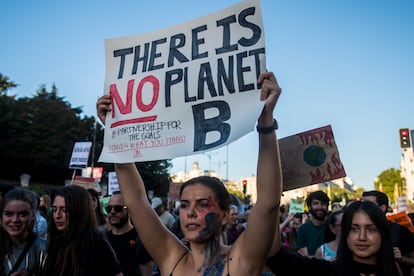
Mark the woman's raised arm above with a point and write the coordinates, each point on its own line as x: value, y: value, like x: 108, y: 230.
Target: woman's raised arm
x: 161, y: 244
x: 255, y: 242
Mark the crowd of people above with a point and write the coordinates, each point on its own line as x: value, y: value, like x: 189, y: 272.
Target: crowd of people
x: 354, y: 240
x: 67, y: 232
x: 73, y: 239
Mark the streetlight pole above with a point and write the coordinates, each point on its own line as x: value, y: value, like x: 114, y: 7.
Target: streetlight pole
x: 93, y: 147
x: 227, y: 162
x: 219, y: 164
x: 209, y: 155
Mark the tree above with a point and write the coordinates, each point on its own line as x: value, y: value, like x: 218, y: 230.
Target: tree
x: 387, y: 182
x: 5, y: 84
x: 38, y: 135
x: 155, y: 176
x: 338, y: 194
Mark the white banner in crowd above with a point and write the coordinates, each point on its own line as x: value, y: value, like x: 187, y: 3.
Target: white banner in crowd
x: 113, y: 185
x: 80, y: 155
x: 186, y: 89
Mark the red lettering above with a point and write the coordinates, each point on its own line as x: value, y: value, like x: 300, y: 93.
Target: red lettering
x: 156, y: 89
x: 116, y: 99
x: 126, y: 108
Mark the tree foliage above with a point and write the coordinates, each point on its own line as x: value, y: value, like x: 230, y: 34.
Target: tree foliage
x: 388, y: 181
x: 338, y: 194
x: 38, y: 135
x: 5, y: 84
x: 156, y: 176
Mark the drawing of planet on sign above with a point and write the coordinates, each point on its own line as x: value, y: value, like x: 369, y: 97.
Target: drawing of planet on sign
x: 314, y: 155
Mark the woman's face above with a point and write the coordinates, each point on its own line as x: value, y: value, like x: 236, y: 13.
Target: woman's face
x: 17, y: 219
x: 336, y: 228
x: 200, y: 215
x: 296, y: 222
x: 94, y: 202
x: 364, y: 239
x: 59, y: 213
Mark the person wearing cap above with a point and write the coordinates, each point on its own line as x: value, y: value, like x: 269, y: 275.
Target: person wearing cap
x: 166, y: 217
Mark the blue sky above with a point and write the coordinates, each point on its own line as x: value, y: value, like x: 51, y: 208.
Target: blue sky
x: 348, y: 64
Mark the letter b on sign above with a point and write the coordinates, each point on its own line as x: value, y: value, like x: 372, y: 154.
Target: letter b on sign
x: 202, y: 125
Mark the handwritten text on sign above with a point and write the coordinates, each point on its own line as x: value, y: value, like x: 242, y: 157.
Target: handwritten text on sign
x: 186, y: 89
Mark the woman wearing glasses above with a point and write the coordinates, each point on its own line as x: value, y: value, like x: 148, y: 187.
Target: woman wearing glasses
x: 76, y: 247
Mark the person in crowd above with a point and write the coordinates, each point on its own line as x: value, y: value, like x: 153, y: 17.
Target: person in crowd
x: 178, y: 232
x: 245, y: 216
x: 311, y: 234
x: 233, y: 228
x: 172, y: 208
x: 124, y: 239
x: 165, y: 216
x: 4, y: 189
x: 41, y: 222
x: 297, y: 221
x: 204, y: 208
x: 365, y: 248
x: 286, y: 230
x: 282, y: 214
x: 402, y: 238
x: 103, y: 223
x: 45, y: 207
x: 76, y: 246
x: 20, y: 247
x: 327, y: 251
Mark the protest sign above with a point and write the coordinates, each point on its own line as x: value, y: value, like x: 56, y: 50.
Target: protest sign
x: 174, y: 191
x: 104, y: 202
x: 97, y: 173
x: 401, y: 218
x: 186, y: 89
x: 80, y: 155
x: 296, y: 206
x: 86, y: 182
x: 310, y: 157
x: 113, y: 184
x: 402, y: 204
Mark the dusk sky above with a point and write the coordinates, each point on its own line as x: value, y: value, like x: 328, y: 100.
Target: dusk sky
x: 348, y: 64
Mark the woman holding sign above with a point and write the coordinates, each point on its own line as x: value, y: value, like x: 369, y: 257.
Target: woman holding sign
x: 204, y: 209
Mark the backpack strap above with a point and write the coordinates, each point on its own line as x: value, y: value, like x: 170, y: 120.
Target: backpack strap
x: 29, y: 243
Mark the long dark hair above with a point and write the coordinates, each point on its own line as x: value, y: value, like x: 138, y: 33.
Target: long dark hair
x: 385, y: 256
x: 100, y: 216
x: 69, y: 250
x: 5, y: 241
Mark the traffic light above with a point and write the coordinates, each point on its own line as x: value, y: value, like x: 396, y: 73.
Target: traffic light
x: 244, y: 182
x: 405, y: 138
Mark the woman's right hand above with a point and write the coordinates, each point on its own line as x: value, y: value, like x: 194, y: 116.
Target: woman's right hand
x: 103, y: 105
